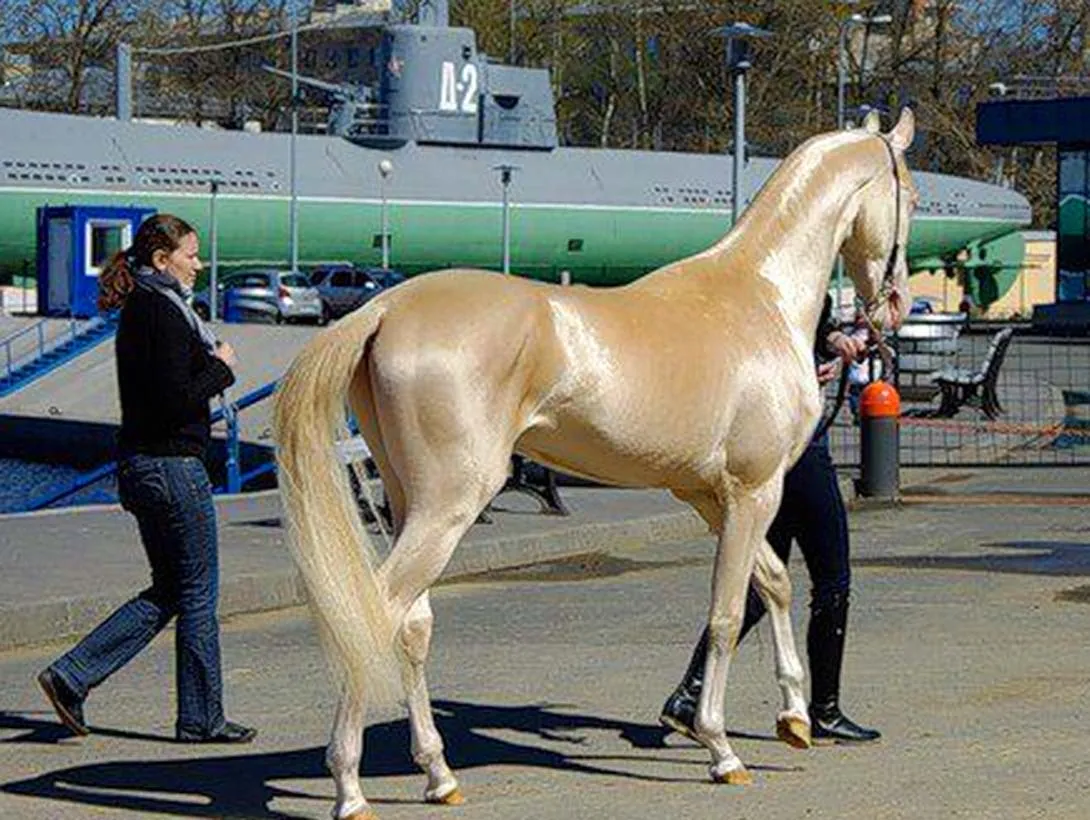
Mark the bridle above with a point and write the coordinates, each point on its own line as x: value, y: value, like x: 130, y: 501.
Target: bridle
x: 885, y: 290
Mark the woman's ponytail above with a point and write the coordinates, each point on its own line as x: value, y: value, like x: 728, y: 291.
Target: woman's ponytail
x: 115, y: 282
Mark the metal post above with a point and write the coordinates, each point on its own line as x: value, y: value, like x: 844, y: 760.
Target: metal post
x: 234, y: 478
x: 506, y: 176
x: 123, y: 82
x: 505, y: 180
x: 213, y: 295
x: 385, y: 168
x: 739, y: 144
x: 840, y: 72
x: 293, y: 211
x: 841, y: 82
x: 737, y: 37
x: 511, y: 35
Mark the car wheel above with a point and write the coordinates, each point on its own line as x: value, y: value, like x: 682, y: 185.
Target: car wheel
x: 279, y: 318
x: 326, y: 316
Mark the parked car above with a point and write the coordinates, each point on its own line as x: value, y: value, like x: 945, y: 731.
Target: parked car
x: 343, y: 288
x: 263, y: 294
x: 387, y: 277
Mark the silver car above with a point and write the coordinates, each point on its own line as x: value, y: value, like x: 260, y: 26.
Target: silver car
x: 262, y: 295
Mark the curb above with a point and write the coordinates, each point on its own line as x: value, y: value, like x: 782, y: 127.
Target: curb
x: 51, y: 621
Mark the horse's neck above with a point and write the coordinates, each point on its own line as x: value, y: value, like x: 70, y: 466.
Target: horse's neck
x: 791, y: 234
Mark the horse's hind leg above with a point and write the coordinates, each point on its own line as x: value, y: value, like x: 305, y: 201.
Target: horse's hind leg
x: 774, y: 586
x: 343, y: 757
x: 427, y: 745
x: 435, y: 522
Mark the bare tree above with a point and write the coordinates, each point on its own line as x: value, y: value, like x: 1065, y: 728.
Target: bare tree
x: 66, y: 38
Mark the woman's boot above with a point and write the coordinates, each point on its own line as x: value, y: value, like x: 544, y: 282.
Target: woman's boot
x: 679, y: 711
x: 825, y: 647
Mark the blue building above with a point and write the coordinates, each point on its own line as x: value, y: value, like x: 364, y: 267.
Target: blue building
x: 1066, y: 123
x: 74, y: 242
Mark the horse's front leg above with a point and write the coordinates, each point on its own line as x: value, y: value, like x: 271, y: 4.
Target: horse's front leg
x: 749, y: 512
x: 427, y: 745
x: 774, y: 586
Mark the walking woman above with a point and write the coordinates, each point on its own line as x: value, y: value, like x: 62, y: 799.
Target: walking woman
x: 168, y: 367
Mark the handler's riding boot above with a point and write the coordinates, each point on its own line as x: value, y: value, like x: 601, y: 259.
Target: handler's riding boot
x: 679, y: 711
x: 825, y: 646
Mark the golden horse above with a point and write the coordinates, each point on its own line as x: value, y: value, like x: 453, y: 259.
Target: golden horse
x: 698, y: 378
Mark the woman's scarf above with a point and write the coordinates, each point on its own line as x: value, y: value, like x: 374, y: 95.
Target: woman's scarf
x: 151, y: 279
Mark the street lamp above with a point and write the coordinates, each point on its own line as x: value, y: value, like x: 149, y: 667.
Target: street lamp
x: 293, y: 208
x: 737, y: 38
x: 505, y: 179
x: 385, y: 168
x: 213, y: 222
x: 841, y: 49
x: 999, y: 90
x: 841, y: 71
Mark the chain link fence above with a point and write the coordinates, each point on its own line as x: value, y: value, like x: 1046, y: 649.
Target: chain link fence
x: 1041, y: 410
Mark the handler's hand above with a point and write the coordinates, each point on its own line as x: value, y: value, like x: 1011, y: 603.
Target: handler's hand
x: 827, y: 371
x: 848, y: 348
x: 226, y: 354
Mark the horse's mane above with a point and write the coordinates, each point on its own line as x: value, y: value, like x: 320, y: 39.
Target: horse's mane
x: 808, y: 171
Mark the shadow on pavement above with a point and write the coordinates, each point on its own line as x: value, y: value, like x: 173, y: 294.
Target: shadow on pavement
x: 242, y: 785
x: 1028, y: 558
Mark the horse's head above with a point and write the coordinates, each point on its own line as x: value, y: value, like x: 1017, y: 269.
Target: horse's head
x: 874, y: 249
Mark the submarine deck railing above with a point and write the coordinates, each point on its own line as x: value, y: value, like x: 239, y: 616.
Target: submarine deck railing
x: 236, y: 479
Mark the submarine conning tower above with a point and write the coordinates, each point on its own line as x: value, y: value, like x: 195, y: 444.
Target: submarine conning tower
x: 436, y: 88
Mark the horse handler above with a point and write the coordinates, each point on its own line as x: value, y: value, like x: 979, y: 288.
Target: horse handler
x: 169, y: 366
x: 812, y: 512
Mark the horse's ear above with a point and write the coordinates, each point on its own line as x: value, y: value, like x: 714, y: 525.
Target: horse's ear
x: 872, y: 122
x: 903, y: 132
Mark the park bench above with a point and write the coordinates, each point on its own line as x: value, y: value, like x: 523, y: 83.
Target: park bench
x: 975, y: 387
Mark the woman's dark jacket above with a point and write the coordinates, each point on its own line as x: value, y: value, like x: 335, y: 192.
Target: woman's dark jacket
x: 166, y: 376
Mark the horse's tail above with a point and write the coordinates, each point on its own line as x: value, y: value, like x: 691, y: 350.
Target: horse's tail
x: 330, y: 546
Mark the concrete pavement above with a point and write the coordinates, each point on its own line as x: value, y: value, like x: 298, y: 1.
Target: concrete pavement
x: 62, y: 571
x: 967, y: 649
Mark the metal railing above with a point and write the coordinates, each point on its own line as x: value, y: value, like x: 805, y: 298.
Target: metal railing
x: 29, y: 344
x: 1043, y: 389
x: 236, y: 479
x: 228, y: 411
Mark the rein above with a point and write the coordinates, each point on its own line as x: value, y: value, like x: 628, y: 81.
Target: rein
x: 841, y: 394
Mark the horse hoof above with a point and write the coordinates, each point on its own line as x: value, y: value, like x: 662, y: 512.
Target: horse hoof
x: 795, y: 732
x: 451, y: 798
x: 735, y: 777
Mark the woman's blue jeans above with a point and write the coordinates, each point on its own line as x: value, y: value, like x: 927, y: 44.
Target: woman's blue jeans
x: 171, y: 498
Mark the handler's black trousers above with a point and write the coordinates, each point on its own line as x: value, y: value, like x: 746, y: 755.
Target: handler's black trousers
x: 812, y: 513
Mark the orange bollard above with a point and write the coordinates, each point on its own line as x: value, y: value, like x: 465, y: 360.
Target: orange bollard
x: 879, y: 451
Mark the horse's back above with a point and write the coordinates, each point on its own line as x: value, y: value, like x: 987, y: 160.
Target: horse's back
x: 465, y: 337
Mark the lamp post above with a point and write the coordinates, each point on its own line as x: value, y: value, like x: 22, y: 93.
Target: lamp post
x: 505, y: 179
x: 999, y: 90
x: 385, y: 168
x: 841, y: 52
x: 214, y: 240
x: 841, y: 71
x: 293, y: 208
x: 737, y: 36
